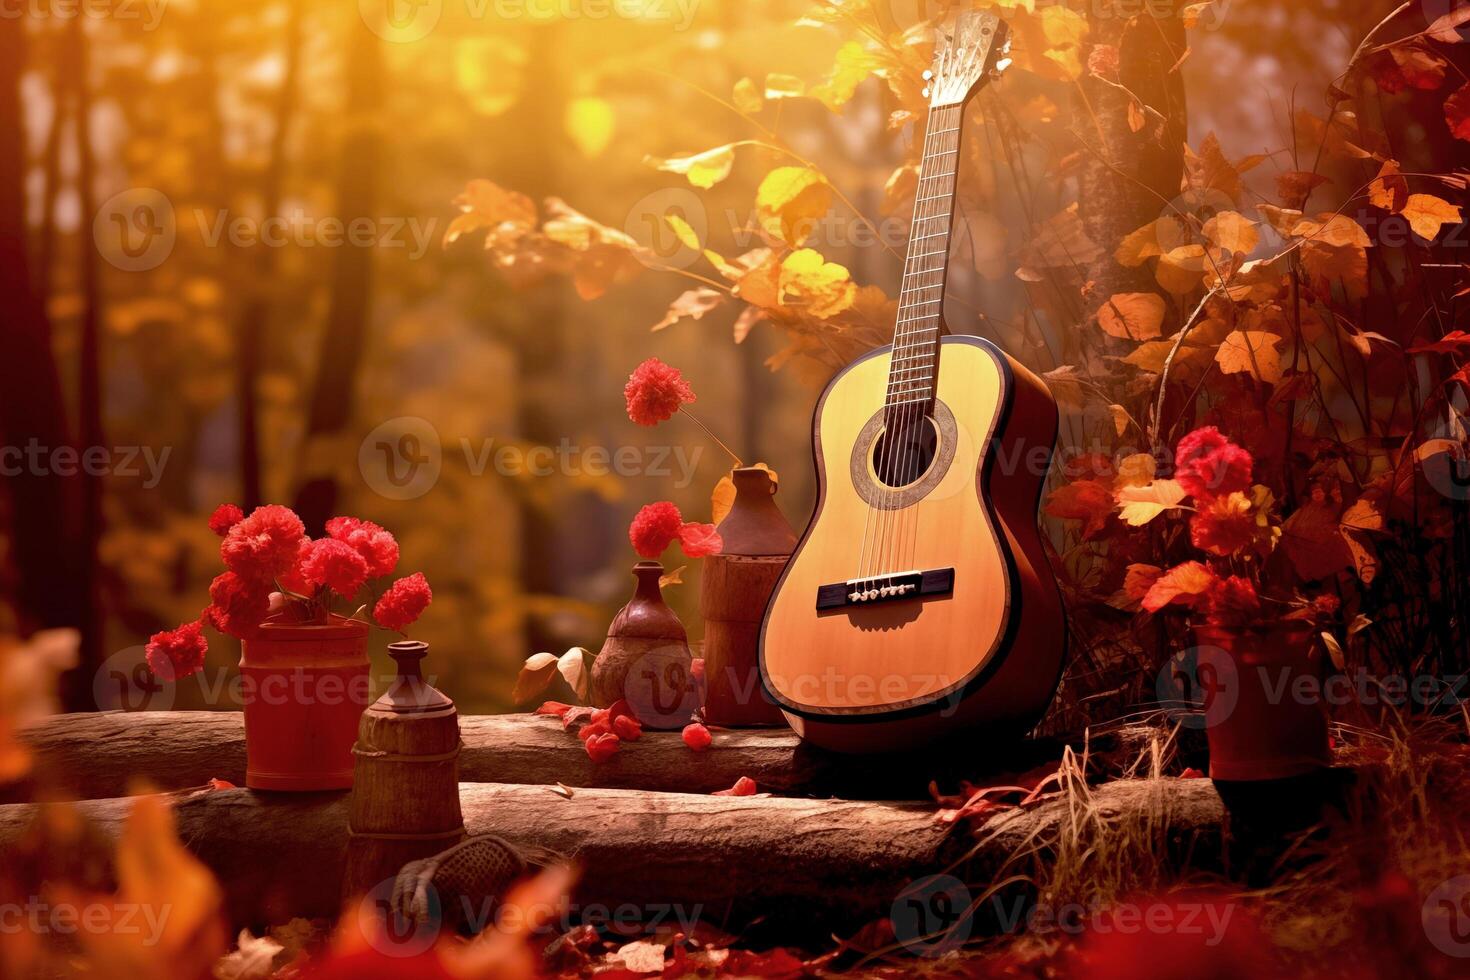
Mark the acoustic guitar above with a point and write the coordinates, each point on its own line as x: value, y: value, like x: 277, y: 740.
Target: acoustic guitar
x: 919, y: 601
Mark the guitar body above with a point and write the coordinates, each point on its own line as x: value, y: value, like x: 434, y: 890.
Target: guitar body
x: 982, y: 651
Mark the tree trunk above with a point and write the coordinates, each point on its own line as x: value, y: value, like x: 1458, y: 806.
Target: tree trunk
x: 806, y: 866
x: 1128, y: 178
x: 32, y: 413
x: 346, y: 332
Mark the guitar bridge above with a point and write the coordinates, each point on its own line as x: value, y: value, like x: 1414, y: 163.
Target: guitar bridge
x: 885, y: 588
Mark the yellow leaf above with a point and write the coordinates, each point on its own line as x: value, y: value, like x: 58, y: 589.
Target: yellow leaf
x: 1389, y: 190
x: 747, y: 97
x: 1121, y: 418
x: 1139, y: 505
x: 790, y: 200
x: 1232, y: 232
x: 1251, y: 352
x: 1136, y: 470
x: 692, y: 304
x: 1332, y: 229
x: 1181, y: 269
x: 780, y: 86
x: 682, y: 230
x: 703, y: 169
x: 676, y: 577
x: 853, y: 64
x: 1132, y: 316
x: 1426, y: 213
x: 1137, y: 246
x: 589, y: 123
x: 825, y: 288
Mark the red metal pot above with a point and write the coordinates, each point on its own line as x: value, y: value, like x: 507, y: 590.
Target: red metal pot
x: 304, y: 686
x: 1265, y: 714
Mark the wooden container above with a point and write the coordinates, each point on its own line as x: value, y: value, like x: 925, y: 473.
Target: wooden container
x: 304, y: 687
x: 405, y: 801
x: 646, y: 660
x: 734, y: 589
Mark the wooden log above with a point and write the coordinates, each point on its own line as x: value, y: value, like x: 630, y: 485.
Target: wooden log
x: 808, y: 865
x: 98, y: 755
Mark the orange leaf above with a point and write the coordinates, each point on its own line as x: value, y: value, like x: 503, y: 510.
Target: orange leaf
x: 1427, y: 213
x: 1132, y: 316
x: 1251, y: 352
x: 1180, y: 585
x: 1089, y: 501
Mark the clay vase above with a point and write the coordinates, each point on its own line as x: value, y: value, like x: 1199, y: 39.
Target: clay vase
x: 304, y: 686
x: 646, y: 659
x: 405, y: 801
x: 734, y: 588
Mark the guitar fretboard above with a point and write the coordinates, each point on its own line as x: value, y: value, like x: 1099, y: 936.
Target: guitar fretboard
x: 915, y: 366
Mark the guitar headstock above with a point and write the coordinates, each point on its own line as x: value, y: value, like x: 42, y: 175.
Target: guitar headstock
x: 967, y: 54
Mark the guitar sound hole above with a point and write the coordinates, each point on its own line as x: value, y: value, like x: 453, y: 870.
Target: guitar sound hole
x: 904, y: 453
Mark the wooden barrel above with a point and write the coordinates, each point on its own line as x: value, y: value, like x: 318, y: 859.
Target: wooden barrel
x: 733, y: 593
x: 405, y: 795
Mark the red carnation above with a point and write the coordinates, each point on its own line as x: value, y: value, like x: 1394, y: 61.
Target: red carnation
x: 225, y: 516
x: 655, y: 391
x: 237, y: 605
x: 265, y: 544
x: 1232, y: 602
x: 177, y: 653
x: 1225, y: 525
x: 602, y: 747
x: 697, y: 737
x: 335, y: 564
x: 404, y: 602
x: 1208, y: 465
x: 375, y: 544
x: 654, y: 528
x: 294, y: 578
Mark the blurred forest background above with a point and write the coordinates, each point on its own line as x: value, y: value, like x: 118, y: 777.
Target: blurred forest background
x: 144, y: 145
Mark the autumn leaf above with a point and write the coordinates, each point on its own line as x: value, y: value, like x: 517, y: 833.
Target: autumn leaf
x: 1210, y: 170
x: 747, y: 97
x: 1427, y: 213
x: 1139, y: 578
x: 1457, y: 113
x: 675, y: 577
x: 1139, y: 505
x: 685, y: 233
x: 1232, y: 232
x: 691, y: 305
x: 1389, y: 190
x: 1251, y: 352
x: 1180, y: 585
x: 1132, y: 316
x: 790, y: 200
x: 1138, y: 246
x: 1454, y: 342
x: 1089, y: 501
x: 1061, y: 242
x: 780, y: 86
x: 702, y: 169
x: 1136, y: 470
x: 824, y: 288
x: 853, y: 63
x: 506, y: 215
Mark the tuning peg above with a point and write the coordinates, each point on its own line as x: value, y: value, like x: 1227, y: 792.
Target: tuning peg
x: 925, y: 92
x: 928, y: 74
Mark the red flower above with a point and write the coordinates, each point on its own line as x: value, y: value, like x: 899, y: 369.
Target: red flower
x: 697, y: 737
x: 1208, y: 465
x: 225, y: 516
x: 602, y: 747
x: 404, y: 602
x: 1226, y: 525
x: 375, y: 544
x: 744, y: 786
x: 627, y: 728
x: 177, y: 653
x: 237, y: 605
x: 1232, y: 602
x: 294, y: 578
x: 335, y: 564
x: 265, y: 544
x: 655, y: 391
x: 654, y: 528
x: 699, y: 540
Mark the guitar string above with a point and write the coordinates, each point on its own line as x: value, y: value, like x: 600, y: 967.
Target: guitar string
x: 904, y: 451
x: 948, y: 144
x: 891, y: 430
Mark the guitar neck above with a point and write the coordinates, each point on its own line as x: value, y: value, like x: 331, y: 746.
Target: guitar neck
x: 915, y: 367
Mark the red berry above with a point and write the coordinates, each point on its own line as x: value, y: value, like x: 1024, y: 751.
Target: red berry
x: 626, y: 728
x: 594, y: 728
x: 620, y: 707
x: 697, y: 737
x: 603, y: 746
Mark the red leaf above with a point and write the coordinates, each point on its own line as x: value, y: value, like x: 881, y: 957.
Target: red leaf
x: 553, y: 708
x: 603, y: 746
x: 699, y: 540
x: 1451, y: 343
x: 744, y: 786
x: 1457, y: 113
x: 1088, y: 501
